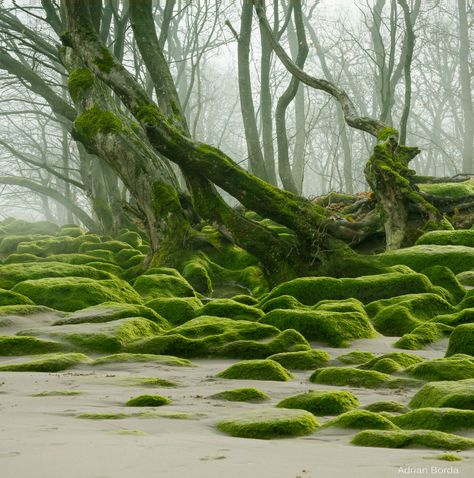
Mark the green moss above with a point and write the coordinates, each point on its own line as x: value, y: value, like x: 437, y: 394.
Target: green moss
x: 103, y: 416
x: 167, y: 360
x: 282, y: 302
x: 423, y: 335
x: 148, y: 401
x: 79, y: 81
x: 269, y: 423
x: 176, y: 310
x: 302, y: 360
x: 461, y: 340
x: 112, y: 246
x: 148, y: 382
x: 361, y: 420
x: 322, y: 403
x: 104, y: 266
x: 448, y: 457
x: 346, y: 305
x: 18, y: 345
x: 457, y: 367
x: 231, y: 309
x: 357, y: 378
x: 152, y: 286
x: 457, y: 237
x: 73, y: 293
x: 131, y: 237
x: 419, y: 438
x: 452, y: 394
x: 71, y: 231
x: 355, y: 357
x: 105, y: 61
x: 256, y: 370
x: 465, y: 316
x: 198, y: 276
x: 385, y: 133
x: 466, y: 278
x: 8, y: 297
x: 49, y: 363
x: 444, y: 277
x: 20, y: 258
x: 241, y: 395
x: 391, y: 407
x: 21, y: 310
x: 245, y: 299
x: 148, y: 113
x: 400, y: 359
x: 442, y: 419
x: 21, y: 227
x: 467, y: 302
x: 96, y: 121
x: 333, y: 328
x: 57, y: 393
x: 9, y: 244
x: 449, y: 190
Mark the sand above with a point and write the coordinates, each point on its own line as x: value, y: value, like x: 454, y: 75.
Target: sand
x: 41, y: 437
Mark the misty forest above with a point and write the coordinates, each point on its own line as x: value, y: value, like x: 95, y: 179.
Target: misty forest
x: 236, y: 219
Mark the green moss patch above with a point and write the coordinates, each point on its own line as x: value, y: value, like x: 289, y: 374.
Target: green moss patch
x: 148, y: 401
x: 453, y: 394
x: 417, y: 438
x: 322, y: 403
x: 57, y: 393
x: 104, y: 416
x: 442, y: 419
x: 355, y: 357
x: 448, y: 457
x: 456, y: 367
x: 302, y: 360
x: 390, y: 407
x: 444, y: 277
x: 18, y: 345
x: 423, y: 335
x: 242, y: 395
x: 256, y: 370
x: 391, y: 362
x: 461, y: 340
x: 281, y: 302
x: 269, y: 423
x: 231, y: 309
x: 152, y: 286
x: 8, y: 297
x: 458, y: 237
x: 47, y: 363
x: 176, y: 310
x: 167, y: 360
x: 361, y: 420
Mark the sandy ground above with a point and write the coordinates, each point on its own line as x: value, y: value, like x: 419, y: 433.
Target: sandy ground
x: 41, y: 437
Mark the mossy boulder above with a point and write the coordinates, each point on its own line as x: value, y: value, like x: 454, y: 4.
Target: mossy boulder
x: 465, y: 316
x: 15, y: 345
x: 458, y: 237
x: 8, y: 297
x: 417, y: 438
x: 456, y: 367
x: 333, y: 328
x: 49, y: 363
x: 167, y: 360
x: 113, y: 246
x: 131, y: 237
x: 21, y: 227
x: 444, y: 277
x: 98, y: 337
x: 269, y: 423
x: 20, y: 258
x: 176, y: 310
x: 442, y: 419
x: 148, y: 401
x: 241, y: 395
x: 355, y: 357
x: 245, y: 299
x: 392, y: 362
x: 55, y: 245
x: 361, y: 420
x: 390, y: 407
x: 452, y: 394
x: 466, y: 278
x: 256, y: 370
x: 423, y: 335
x: 281, y: 302
x: 461, y: 340
x: 73, y: 293
x: 231, y: 309
x: 9, y: 244
x: 302, y: 360
x: 322, y: 403
x: 152, y: 286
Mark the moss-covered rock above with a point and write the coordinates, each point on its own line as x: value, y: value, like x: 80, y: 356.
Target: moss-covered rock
x: 241, y: 395
x: 450, y: 394
x: 113, y: 246
x: 21, y: 310
x: 444, y: 277
x: 256, y: 370
x: 418, y: 438
x: 456, y: 367
x: 245, y: 299
x: 9, y: 244
x: 302, y: 360
x: 355, y: 357
x: 442, y: 419
x: 73, y: 293
x: 152, y: 286
x: 361, y: 420
x: 333, y: 328
x: 390, y: 407
x: 423, y: 335
x: 8, y: 297
x: 281, y: 302
x: 465, y: 316
x: 20, y: 258
x: 168, y: 360
x: 392, y: 362
x: 269, y: 423
x: 231, y: 309
x: 148, y: 401
x: 21, y: 227
x: 458, y: 237
x: 46, y: 363
x: 176, y: 310
x: 55, y: 245
x: 466, y: 278
x: 322, y: 403
x: 461, y: 340
x: 15, y: 345
x: 12, y: 274
x: 98, y: 337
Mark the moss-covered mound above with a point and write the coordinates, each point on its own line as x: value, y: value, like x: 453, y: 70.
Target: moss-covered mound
x: 176, y: 310
x: 152, y: 286
x: 269, y: 423
x: 464, y: 316
x: 456, y: 258
x: 458, y: 394
x: 442, y: 419
x: 444, y: 277
x: 106, y: 337
x: 231, y: 309
x: 456, y: 367
x: 355, y: 357
x: 302, y: 360
x: 245, y: 299
x: 21, y: 227
x: 21, y: 310
x: 242, y: 395
x: 15, y: 345
x: 423, y: 335
x: 148, y: 401
x: 417, y: 438
x: 322, y: 403
x: 311, y: 290
x: 110, y: 311
x: 256, y: 370
x: 12, y: 274
x: 357, y: 378
x: 390, y: 407
x: 73, y: 293
x: 458, y: 237
x: 361, y: 420
x: 281, y: 302
x: 466, y: 278
x: 167, y: 360
x: 391, y: 362
x: 333, y: 328
x: 8, y: 297
x: 461, y: 340
x: 47, y: 363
